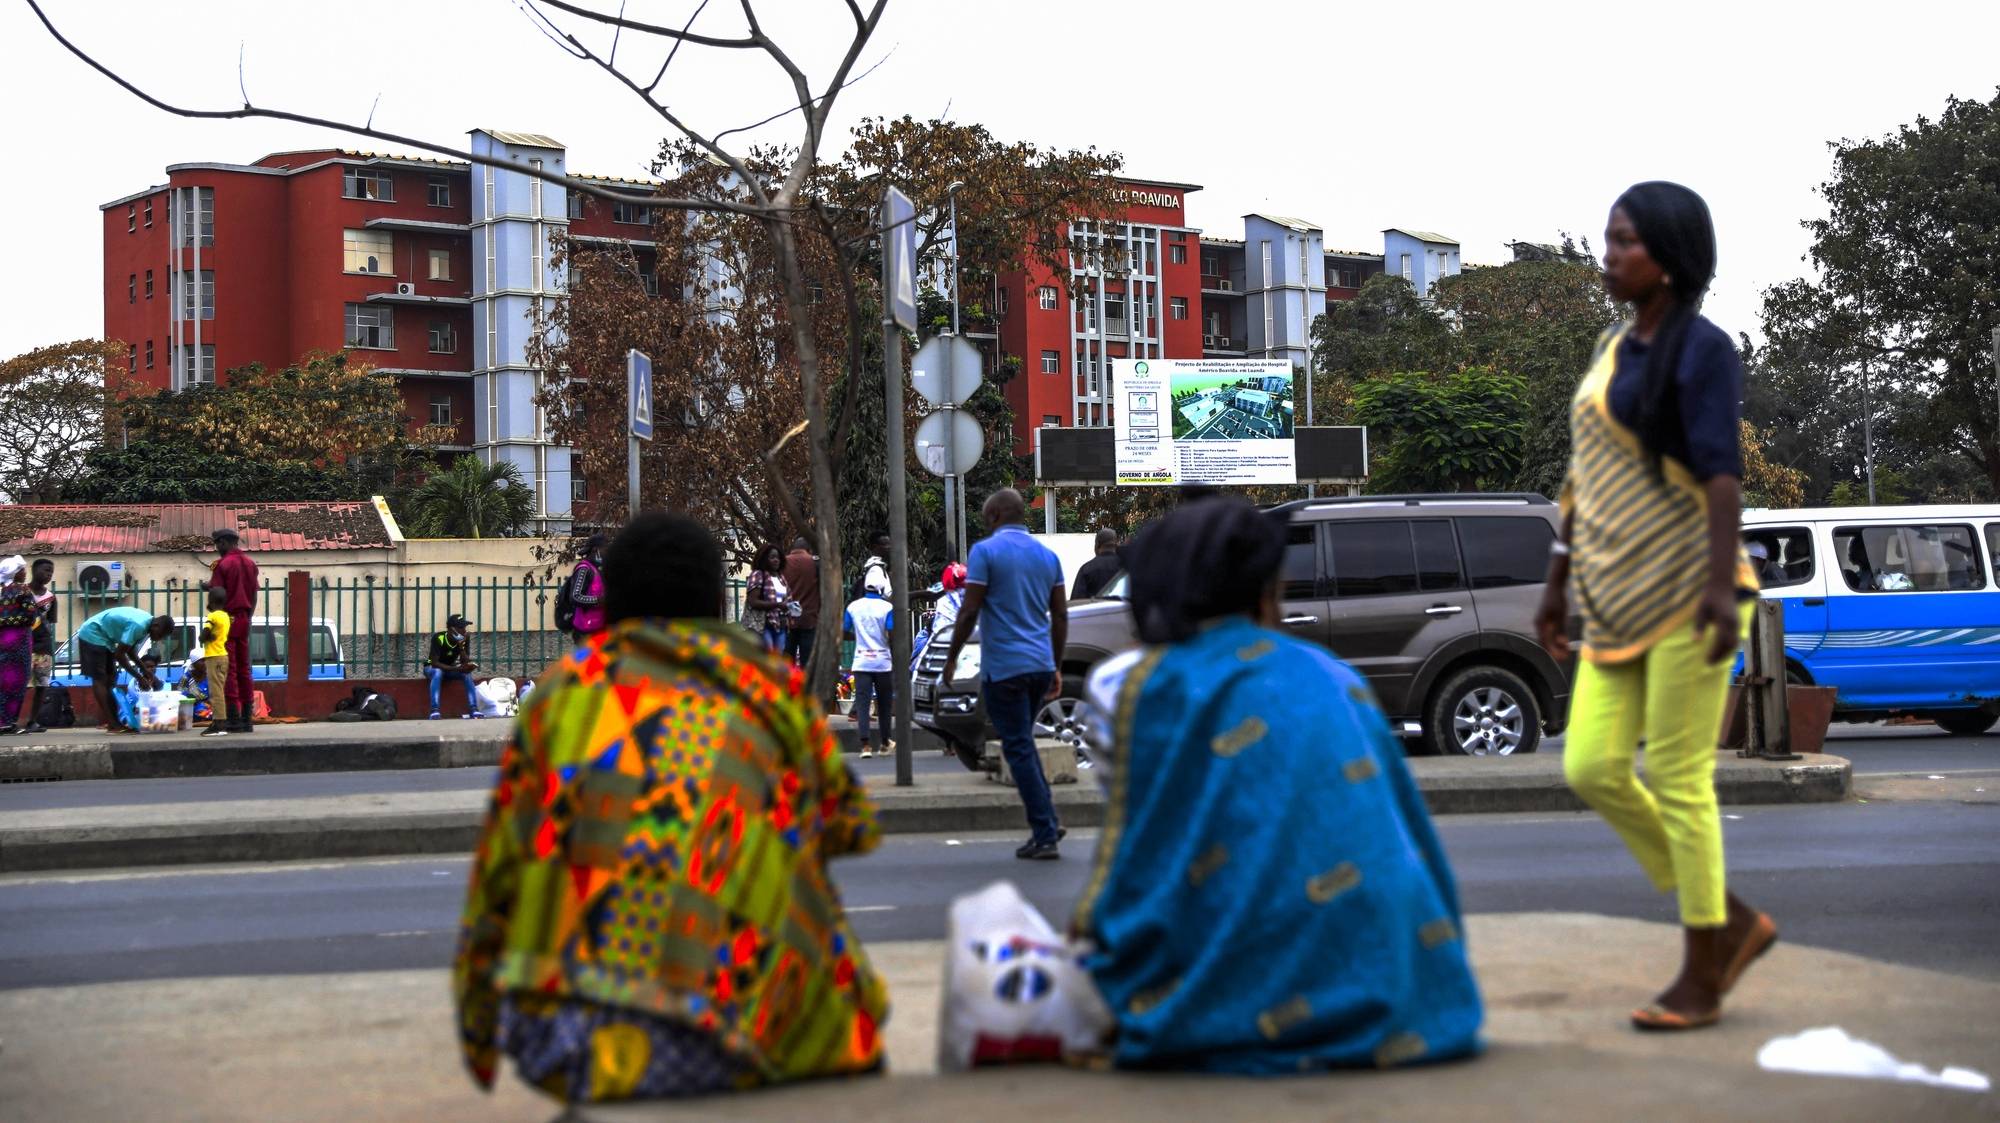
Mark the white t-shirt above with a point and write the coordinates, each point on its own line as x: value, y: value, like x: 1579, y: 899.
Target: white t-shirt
x: 870, y: 619
x: 1100, y: 693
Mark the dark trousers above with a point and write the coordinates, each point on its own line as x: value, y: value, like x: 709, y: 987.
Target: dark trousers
x: 238, y: 647
x: 799, y: 645
x: 881, y: 685
x: 1011, y: 704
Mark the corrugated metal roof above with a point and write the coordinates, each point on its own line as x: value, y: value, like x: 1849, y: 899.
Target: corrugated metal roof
x: 1423, y: 235
x: 525, y: 140
x: 1301, y: 224
x: 176, y: 527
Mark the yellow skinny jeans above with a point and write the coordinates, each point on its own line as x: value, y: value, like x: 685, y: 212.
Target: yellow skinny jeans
x: 1672, y: 697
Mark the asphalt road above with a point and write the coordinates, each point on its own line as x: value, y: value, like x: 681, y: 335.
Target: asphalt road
x: 1872, y: 748
x: 1912, y: 883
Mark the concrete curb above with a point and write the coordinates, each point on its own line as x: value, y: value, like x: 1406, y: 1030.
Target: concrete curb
x: 965, y: 805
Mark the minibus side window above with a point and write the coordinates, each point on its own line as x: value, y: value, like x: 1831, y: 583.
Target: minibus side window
x: 1787, y: 555
x: 1908, y: 559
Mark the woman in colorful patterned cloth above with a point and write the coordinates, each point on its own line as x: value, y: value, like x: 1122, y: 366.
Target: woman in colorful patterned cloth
x: 1269, y: 895
x: 18, y: 617
x: 1651, y: 549
x: 650, y: 913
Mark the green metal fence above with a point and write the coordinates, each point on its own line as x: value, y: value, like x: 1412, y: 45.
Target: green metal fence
x: 363, y: 628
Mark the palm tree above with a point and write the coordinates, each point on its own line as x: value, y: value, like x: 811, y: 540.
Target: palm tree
x: 472, y: 500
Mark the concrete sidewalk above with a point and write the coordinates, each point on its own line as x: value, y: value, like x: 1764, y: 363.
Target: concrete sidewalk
x: 316, y: 746
x: 313, y: 1048
x: 379, y: 823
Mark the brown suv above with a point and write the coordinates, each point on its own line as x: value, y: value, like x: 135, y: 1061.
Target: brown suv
x: 1432, y: 597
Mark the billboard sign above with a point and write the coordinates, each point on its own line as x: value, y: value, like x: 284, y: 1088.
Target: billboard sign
x: 1204, y: 421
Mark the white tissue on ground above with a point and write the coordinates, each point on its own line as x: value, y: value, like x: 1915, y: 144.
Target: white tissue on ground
x: 1829, y: 1051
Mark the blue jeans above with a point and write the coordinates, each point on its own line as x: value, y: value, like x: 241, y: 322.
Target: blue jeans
x: 1011, y: 704
x: 438, y: 678
x: 882, y: 686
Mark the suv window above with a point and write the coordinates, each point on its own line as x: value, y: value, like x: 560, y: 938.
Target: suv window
x: 1788, y: 555
x: 1506, y: 550
x: 1373, y: 558
x: 1437, y: 555
x: 1300, y: 570
x: 1908, y: 559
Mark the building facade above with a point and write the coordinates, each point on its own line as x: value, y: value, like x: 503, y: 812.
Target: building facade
x: 428, y: 269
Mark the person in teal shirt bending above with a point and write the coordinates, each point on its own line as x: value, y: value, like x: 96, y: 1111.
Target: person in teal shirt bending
x: 109, y: 642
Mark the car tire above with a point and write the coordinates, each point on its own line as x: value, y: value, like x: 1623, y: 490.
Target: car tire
x: 1965, y: 723
x: 969, y: 753
x: 1483, y: 711
x: 1063, y: 716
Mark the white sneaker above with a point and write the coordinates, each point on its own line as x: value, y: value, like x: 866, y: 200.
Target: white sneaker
x: 866, y: 752
x: 891, y: 750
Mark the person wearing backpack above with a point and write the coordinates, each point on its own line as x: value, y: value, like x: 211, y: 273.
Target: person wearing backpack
x: 580, y: 601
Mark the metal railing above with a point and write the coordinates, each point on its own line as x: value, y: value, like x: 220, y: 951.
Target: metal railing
x: 184, y: 601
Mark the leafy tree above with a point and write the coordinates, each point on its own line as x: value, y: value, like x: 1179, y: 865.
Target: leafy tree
x: 54, y: 402
x: 472, y: 499
x: 1767, y: 483
x: 1386, y: 327
x: 165, y: 471
x: 1908, y: 262
x: 1459, y: 431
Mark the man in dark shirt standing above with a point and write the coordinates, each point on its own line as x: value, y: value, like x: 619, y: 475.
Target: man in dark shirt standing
x: 1098, y: 571
x: 451, y: 658
x: 236, y: 572
x: 802, y: 582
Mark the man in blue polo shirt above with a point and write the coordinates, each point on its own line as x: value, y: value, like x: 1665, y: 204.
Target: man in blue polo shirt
x: 1014, y: 596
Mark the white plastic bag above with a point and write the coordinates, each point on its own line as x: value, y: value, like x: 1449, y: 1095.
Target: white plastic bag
x: 496, y: 697
x: 1013, y: 989
x: 1831, y: 1051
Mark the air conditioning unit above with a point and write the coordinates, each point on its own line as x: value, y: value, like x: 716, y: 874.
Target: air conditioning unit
x: 100, y: 578
x: 405, y: 288
x: 1225, y: 284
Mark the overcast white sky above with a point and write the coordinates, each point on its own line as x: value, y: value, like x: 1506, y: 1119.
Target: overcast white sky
x: 1489, y: 122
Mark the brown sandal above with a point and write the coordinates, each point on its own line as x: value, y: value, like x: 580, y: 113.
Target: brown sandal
x: 1763, y: 933
x: 1660, y: 1019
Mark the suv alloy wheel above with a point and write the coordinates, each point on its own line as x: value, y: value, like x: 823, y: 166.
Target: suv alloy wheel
x: 1483, y: 711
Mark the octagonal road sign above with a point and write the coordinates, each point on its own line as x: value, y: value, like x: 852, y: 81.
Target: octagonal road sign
x: 942, y: 354
x: 968, y: 442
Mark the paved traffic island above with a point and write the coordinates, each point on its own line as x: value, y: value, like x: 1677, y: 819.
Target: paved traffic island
x: 379, y: 1045
x: 952, y: 800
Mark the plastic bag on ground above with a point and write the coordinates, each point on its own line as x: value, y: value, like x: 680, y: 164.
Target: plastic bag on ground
x: 496, y: 697
x: 157, y: 711
x: 1829, y: 1051
x: 1013, y: 989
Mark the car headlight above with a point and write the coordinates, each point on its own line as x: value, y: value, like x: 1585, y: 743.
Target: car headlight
x: 967, y: 667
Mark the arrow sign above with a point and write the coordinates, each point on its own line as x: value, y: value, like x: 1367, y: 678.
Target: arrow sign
x: 899, y: 251
x: 639, y: 387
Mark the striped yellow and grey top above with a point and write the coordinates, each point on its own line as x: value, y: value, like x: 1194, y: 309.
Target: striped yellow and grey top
x: 1639, y: 537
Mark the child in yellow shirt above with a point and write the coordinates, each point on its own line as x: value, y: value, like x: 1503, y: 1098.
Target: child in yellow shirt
x: 215, y: 659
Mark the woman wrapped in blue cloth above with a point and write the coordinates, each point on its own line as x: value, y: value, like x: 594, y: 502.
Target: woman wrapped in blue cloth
x: 1269, y: 895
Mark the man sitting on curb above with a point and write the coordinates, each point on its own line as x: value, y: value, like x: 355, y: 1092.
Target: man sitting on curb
x: 451, y: 658
x: 109, y: 642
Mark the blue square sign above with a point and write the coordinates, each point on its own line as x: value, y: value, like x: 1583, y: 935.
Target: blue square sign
x: 639, y: 387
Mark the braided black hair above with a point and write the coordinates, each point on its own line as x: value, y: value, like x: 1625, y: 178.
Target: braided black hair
x: 1674, y: 224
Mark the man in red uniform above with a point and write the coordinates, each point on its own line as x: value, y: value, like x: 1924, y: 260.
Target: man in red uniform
x: 237, y: 574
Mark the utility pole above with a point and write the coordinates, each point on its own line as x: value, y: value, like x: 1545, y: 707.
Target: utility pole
x: 954, y: 485
x: 1996, y: 391
x: 1867, y: 413
x: 897, y: 220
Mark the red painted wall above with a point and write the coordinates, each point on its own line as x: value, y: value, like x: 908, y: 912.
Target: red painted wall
x: 128, y: 254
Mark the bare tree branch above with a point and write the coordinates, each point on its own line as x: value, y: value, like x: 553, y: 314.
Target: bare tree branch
x: 676, y: 49
x: 683, y: 35
x: 782, y: 113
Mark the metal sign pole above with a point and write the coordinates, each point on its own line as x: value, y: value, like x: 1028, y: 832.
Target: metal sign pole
x: 952, y: 545
x: 895, y: 229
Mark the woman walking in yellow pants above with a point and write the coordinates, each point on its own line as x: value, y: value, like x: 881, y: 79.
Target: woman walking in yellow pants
x: 1652, y: 551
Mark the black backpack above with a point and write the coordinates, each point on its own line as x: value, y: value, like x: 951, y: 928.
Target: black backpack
x: 565, y: 607
x: 54, y: 710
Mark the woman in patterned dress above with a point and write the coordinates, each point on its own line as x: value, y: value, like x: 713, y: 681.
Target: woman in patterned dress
x: 18, y: 616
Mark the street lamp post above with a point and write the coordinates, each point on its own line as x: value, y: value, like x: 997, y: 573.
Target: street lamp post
x: 954, y: 504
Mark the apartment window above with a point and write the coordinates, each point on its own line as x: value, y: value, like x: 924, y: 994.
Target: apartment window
x: 132, y: 219
x: 1177, y: 236
x: 149, y: 284
x: 1177, y: 306
x: 1046, y: 296
x: 576, y: 204
x: 198, y: 365
x: 149, y: 354
x: 650, y: 281
x: 1051, y: 362
x: 366, y: 183
x: 1177, y: 255
x: 1000, y: 302
x: 149, y: 212
x: 1114, y: 306
x: 1270, y: 322
x: 131, y: 288
x: 371, y: 326
x: 1213, y: 326
x: 437, y: 190
x: 367, y: 251
x: 1406, y: 267
x: 198, y: 219
x: 203, y: 290
x: 444, y: 340
x: 440, y: 261
x: 1305, y: 255
x: 1264, y: 250
x: 631, y: 214
x: 132, y: 357
x: 579, y: 489
x: 440, y: 408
